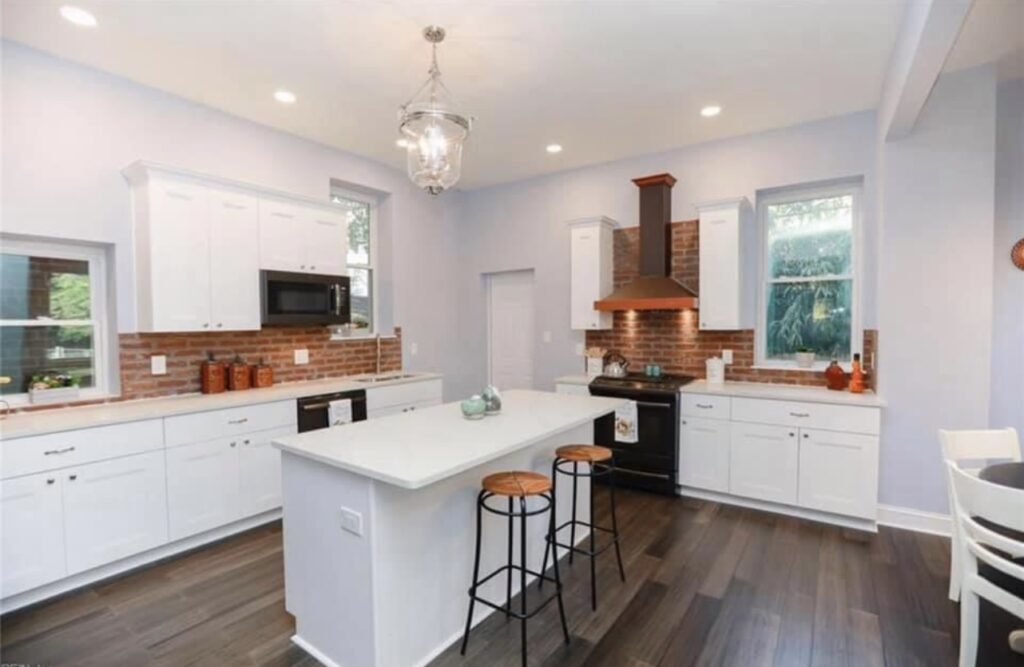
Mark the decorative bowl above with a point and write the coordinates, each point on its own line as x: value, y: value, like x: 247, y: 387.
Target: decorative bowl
x: 492, y: 400
x: 473, y: 407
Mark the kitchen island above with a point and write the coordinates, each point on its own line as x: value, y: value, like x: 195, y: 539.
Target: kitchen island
x: 379, y: 521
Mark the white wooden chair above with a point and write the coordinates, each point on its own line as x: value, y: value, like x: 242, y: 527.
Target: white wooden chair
x: 971, y: 450
x: 975, y: 498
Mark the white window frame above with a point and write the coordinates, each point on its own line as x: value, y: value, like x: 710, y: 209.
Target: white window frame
x: 765, y: 198
x: 373, y: 203
x: 104, y: 369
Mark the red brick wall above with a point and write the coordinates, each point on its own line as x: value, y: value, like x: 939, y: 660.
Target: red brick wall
x: 672, y: 339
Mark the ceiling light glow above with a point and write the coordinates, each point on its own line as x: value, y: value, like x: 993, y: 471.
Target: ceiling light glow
x: 554, y: 148
x: 285, y: 97
x: 402, y: 143
x: 78, y: 16
x: 711, y: 111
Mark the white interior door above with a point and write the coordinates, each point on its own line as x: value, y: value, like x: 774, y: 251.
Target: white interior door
x: 510, y: 329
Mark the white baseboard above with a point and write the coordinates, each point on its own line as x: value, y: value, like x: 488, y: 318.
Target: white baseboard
x: 915, y: 520
x: 856, y: 523
x: 82, y: 579
x: 313, y: 651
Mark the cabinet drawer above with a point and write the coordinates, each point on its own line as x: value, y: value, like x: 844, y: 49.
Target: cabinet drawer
x: 852, y: 419
x: 400, y: 394
x: 24, y: 456
x: 708, y: 407
x: 202, y: 426
x: 839, y: 472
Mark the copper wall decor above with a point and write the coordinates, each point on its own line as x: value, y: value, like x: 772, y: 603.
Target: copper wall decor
x: 1017, y: 255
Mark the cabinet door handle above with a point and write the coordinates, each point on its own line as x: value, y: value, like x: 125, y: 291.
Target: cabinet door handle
x: 703, y: 406
x: 800, y: 414
x: 178, y: 195
x: 234, y: 444
x: 792, y: 435
x: 238, y: 421
x: 245, y: 442
x: 72, y: 477
x: 220, y: 324
x: 278, y: 214
x: 206, y: 325
x: 807, y: 435
x: 50, y: 480
x: 51, y: 452
x: 311, y: 268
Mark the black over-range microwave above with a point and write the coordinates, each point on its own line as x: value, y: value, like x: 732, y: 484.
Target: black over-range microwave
x: 304, y: 298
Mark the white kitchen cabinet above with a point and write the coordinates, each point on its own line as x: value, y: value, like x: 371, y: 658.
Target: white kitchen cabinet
x: 173, y: 256
x: 572, y: 388
x: 196, y: 251
x: 32, y: 543
x: 113, y: 509
x: 591, y: 266
x: 726, y: 286
x: 704, y: 452
x: 763, y: 462
x: 302, y: 238
x: 234, y: 266
x: 259, y: 471
x: 839, y: 472
x: 202, y: 486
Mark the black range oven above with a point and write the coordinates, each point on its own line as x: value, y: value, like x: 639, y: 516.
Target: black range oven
x: 652, y: 462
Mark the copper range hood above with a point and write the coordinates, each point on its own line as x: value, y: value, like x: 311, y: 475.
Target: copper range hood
x: 654, y: 289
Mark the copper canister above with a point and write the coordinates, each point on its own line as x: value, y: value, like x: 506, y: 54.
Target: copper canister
x: 211, y: 376
x: 262, y: 375
x: 238, y: 375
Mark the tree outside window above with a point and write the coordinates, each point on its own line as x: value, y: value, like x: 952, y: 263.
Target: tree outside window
x: 360, y: 259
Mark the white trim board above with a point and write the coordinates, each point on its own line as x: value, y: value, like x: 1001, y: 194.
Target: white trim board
x: 914, y: 520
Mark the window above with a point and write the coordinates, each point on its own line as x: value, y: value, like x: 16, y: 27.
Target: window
x: 361, y: 245
x: 53, y: 318
x: 809, y: 269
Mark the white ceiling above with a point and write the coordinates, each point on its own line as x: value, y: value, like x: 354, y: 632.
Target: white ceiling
x: 992, y: 33
x: 604, y: 79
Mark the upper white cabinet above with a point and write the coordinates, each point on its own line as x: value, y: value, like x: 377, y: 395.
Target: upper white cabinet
x: 234, y: 260
x: 726, y: 275
x: 592, y: 253
x: 301, y: 238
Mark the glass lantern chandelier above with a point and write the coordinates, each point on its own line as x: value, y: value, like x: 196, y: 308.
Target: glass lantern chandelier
x: 433, y: 129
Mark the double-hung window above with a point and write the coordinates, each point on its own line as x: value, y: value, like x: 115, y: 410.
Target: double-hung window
x: 54, y: 326
x: 362, y: 232
x: 809, y: 264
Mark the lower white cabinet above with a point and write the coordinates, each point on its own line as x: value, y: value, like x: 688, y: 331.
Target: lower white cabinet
x: 839, y: 472
x: 32, y: 551
x: 399, y: 398
x: 763, y: 462
x: 259, y: 472
x: 202, y: 486
x: 113, y: 509
x: 704, y: 453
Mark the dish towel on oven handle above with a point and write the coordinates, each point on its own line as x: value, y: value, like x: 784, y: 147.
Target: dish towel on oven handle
x: 339, y: 412
x: 626, y: 423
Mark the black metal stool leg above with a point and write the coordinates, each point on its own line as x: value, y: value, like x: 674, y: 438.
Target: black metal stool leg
x: 511, y: 525
x: 551, y: 538
x: 572, y: 526
x: 522, y: 573
x: 476, y: 572
x: 593, y: 567
x: 615, y: 524
x: 558, y: 580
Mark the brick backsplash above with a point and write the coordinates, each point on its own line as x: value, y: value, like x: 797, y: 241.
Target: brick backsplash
x: 672, y: 339
x: 274, y: 345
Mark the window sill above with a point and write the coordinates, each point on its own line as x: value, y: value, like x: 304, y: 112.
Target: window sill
x: 21, y: 401
x: 818, y: 367
x: 361, y: 336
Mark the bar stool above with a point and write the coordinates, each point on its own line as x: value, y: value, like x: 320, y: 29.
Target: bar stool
x: 515, y: 485
x: 601, y: 463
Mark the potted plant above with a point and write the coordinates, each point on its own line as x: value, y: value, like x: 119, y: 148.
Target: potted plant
x: 804, y: 357
x: 53, y: 388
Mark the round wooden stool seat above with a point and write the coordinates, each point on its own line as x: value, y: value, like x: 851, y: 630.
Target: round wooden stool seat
x: 517, y: 483
x: 584, y: 453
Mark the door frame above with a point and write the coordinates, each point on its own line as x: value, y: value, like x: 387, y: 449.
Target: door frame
x: 487, y: 278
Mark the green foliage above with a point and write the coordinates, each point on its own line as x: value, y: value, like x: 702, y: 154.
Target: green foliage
x: 70, y: 299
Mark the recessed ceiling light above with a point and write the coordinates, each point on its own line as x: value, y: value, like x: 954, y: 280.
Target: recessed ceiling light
x: 78, y: 16
x: 402, y: 143
x: 285, y: 97
x: 711, y: 110
x: 554, y: 148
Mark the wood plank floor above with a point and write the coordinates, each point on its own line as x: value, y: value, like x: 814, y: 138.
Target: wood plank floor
x: 706, y: 585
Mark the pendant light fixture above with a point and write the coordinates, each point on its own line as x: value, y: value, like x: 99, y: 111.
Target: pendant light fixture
x: 433, y: 128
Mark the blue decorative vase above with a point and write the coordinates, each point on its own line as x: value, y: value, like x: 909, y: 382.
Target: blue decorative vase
x: 492, y: 399
x: 473, y: 407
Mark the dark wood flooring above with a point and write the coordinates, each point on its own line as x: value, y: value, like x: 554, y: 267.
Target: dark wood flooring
x: 706, y: 585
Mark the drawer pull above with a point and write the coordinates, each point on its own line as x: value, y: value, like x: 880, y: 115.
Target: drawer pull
x: 234, y: 444
x: 799, y: 414
x: 72, y: 477
x: 50, y: 452
x: 50, y: 480
x: 704, y: 406
x: 238, y: 421
x: 837, y: 445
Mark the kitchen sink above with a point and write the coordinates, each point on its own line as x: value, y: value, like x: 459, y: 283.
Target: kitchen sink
x: 385, y: 378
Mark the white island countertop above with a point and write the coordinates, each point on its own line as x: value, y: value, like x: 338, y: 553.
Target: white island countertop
x: 415, y: 449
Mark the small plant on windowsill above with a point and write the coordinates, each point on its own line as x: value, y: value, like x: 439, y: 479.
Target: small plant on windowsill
x: 53, y: 388
x: 804, y: 357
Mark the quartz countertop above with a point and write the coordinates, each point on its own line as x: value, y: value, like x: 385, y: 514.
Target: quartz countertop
x: 415, y: 449
x: 784, y: 392
x: 572, y: 379
x: 39, y: 422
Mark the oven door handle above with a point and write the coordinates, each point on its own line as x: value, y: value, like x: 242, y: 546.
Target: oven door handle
x: 641, y: 473
x: 648, y: 404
